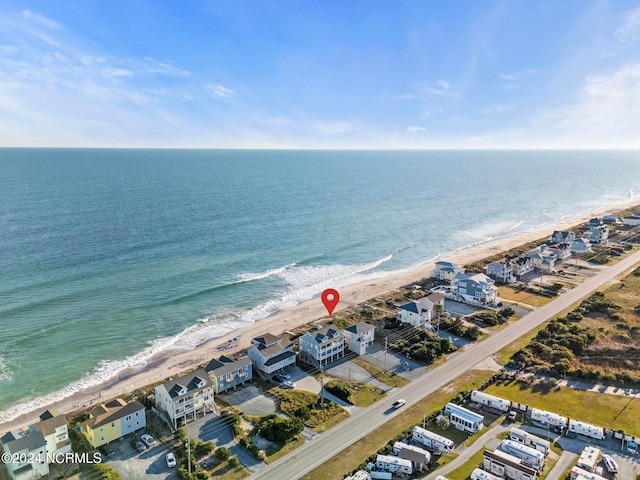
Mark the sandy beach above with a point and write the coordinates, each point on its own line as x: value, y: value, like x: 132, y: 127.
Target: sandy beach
x: 173, y: 362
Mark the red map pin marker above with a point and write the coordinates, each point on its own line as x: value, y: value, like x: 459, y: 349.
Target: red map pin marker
x: 330, y: 298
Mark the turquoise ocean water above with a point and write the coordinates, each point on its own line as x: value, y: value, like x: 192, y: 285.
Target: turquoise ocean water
x: 107, y: 256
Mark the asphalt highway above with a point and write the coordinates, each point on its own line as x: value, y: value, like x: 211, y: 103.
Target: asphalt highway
x: 329, y: 444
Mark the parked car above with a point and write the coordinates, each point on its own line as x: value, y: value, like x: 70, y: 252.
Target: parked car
x: 171, y: 460
x: 398, y: 403
x: 288, y: 384
x: 138, y: 445
x: 148, y: 440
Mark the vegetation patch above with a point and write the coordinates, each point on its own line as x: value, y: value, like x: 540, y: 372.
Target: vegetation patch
x: 608, y: 411
x: 424, y: 347
x: 310, y: 408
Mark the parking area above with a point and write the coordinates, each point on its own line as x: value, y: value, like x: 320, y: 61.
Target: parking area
x: 132, y: 465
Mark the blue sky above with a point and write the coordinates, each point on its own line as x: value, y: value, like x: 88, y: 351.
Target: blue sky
x: 320, y: 74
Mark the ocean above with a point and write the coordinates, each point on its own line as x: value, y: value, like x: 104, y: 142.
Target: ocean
x: 109, y: 256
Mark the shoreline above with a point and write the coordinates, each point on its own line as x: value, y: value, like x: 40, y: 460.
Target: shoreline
x: 172, y: 362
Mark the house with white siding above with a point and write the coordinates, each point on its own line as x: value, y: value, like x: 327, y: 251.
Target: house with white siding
x: 419, y: 313
x: 184, y: 398
x: 271, y: 354
x: 359, y: 337
x: 321, y: 346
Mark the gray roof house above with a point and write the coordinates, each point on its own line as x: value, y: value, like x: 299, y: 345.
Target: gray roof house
x: 321, y: 346
x: 32, y: 447
x: 183, y: 398
x: 227, y: 373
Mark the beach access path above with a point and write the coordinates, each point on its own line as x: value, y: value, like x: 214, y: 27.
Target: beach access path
x: 329, y: 444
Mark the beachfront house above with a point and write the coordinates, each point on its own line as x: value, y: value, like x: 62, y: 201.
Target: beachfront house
x: 53, y: 427
x: 30, y: 451
x: 184, y: 398
x: 447, y: 270
x: 359, y: 337
x: 580, y: 245
x: 227, y: 373
x: 419, y: 313
x: 562, y: 237
x: 543, y: 258
x: 113, y: 420
x: 271, y: 354
x: 321, y: 346
x: 562, y: 251
x: 501, y: 271
x: 598, y: 235
x: 477, y: 289
x: 631, y: 221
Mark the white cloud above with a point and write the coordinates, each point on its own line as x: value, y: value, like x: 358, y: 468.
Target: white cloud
x: 415, y: 129
x: 220, y: 91
x: 630, y: 29
x: 499, y: 108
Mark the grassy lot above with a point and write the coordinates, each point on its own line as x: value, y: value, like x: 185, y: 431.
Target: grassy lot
x: 385, y: 377
x: 527, y: 298
x: 320, y: 418
x: 224, y: 471
x: 355, y: 454
x: 363, y: 394
x: 274, y: 453
x: 609, y: 411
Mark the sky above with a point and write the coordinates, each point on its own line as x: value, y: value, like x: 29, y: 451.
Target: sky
x: 320, y: 74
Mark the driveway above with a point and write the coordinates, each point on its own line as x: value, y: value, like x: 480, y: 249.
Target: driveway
x: 132, y: 465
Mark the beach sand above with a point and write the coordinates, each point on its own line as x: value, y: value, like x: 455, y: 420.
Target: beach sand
x: 173, y: 362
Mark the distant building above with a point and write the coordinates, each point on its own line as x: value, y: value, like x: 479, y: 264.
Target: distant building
x: 113, y: 420
x: 419, y: 313
x: 501, y: 271
x: 321, y: 346
x: 227, y: 373
x: 32, y: 448
x: 184, y: 398
x: 271, y: 354
x: 581, y: 245
x: 359, y: 337
x: 476, y: 289
x: 632, y: 221
x: 598, y: 234
x: 562, y: 237
x: 447, y: 270
x: 53, y: 427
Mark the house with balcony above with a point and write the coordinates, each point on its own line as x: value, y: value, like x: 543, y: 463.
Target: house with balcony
x: 30, y: 447
x: 226, y: 373
x: 271, y: 354
x: 581, y: 245
x: 321, y: 346
x: 359, y: 337
x: 419, y: 313
x: 562, y: 251
x: 447, y: 270
x: 598, y: 235
x: 562, y: 237
x: 543, y: 258
x: 477, y: 289
x: 113, y: 420
x: 501, y: 271
x: 185, y: 398
x: 53, y: 427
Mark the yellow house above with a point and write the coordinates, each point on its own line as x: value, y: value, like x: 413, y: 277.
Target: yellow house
x: 113, y: 420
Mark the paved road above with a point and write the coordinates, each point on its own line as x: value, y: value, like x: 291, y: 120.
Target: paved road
x: 331, y: 443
